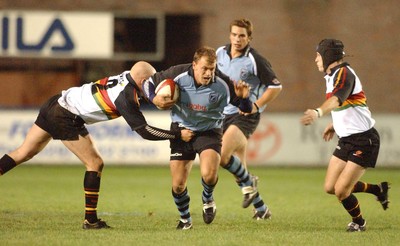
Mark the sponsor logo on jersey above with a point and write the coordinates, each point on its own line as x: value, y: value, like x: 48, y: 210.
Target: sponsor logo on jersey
x: 196, y: 107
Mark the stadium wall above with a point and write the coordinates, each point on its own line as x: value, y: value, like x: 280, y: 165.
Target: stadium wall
x: 280, y: 140
x: 286, y: 32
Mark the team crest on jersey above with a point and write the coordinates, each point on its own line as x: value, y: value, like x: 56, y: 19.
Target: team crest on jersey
x: 244, y: 73
x: 213, y: 97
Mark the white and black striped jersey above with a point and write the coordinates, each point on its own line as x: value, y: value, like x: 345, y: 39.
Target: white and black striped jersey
x: 353, y: 115
x: 109, y: 98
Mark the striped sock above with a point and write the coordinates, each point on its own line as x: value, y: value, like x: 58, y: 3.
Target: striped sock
x: 91, y: 186
x: 353, y: 208
x: 236, y: 168
x: 259, y: 204
x: 367, y: 188
x: 207, y: 195
x: 182, y: 204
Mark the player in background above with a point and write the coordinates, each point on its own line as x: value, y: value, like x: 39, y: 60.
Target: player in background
x: 204, y: 93
x: 64, y: 117
x: 358, y: 144
x: 240, y: 62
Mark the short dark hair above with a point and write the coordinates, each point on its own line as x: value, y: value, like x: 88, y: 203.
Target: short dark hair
x: 244, y: 23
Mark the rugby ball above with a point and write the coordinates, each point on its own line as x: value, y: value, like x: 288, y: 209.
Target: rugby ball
x: 168, y: 89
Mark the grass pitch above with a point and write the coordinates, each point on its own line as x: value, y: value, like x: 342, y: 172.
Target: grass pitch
x: 44, y: 205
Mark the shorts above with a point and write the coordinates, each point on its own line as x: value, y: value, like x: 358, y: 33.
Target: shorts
x: 361, y: 148
x: 247, y: 124
x: 181, y: 150
x: 59, y: 122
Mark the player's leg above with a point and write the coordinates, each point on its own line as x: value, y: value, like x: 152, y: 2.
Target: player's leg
x: 85, y: 150
x: 35, y: 140
x: 369, y: 145
x: 261, y: 210
x: 343, y: 191
x: 333, y: 172
x: 232, y: 141
x: 380, y: 190
x: 209, y: 164
x: 180, y: 170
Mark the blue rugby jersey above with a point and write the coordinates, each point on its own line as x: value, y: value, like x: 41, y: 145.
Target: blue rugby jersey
x: 199, y: 108
x: 250, y: 67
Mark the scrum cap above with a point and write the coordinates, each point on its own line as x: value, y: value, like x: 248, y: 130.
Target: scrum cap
x: 331, y: 50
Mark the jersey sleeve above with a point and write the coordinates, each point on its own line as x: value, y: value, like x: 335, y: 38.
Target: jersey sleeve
x: 127, y: 104
x: 265, y: 72
x: 344, y: 82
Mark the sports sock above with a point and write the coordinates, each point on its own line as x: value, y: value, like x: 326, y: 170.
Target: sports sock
x: 236, y: 168
x: 353, y: 208
x: 367, y: 188
x: 6, y: 164
x: 91, y: 184
x: 258, y: 203
x: 182, y: 204
x: 207, y: 195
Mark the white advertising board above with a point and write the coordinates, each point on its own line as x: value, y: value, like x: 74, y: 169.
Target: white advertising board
x: 114, y: 139
x: 59, y: 34
x: 279, y: 140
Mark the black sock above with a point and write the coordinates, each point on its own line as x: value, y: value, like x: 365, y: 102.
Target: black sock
x: 353, y: 208
x: 367, y: 188
x: 91, y: 184
x: 6, y: 164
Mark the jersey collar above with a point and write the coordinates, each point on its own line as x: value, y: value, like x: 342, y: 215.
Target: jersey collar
x: 333, y: 70
x: 245, y: 52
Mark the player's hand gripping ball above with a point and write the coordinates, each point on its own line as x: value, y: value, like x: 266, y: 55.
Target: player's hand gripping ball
x: 168, y: 90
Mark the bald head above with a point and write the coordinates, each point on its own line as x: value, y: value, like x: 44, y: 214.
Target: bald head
x: 141, y: 71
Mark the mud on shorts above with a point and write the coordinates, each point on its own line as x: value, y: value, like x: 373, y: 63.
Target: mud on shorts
x: 247, y: 124
x: 59, y: 122
x: 361, y: 148
x: 181, y: 150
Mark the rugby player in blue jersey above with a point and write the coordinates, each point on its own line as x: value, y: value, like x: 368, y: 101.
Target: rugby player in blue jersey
x: 204, y: 93
x: 241, y: 62
x: 64, y: 116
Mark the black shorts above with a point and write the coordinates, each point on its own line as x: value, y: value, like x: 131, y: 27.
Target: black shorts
x: 361, y: 148
x: 247, y: 124
x: 181, y: 150
x: 59, y: 122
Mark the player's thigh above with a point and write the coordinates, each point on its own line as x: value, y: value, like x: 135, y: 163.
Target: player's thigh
x: 86, y: 151
x: 347, y: 179
x: 333, y: 172
x: 35, y: 140
x: 180, y: 170
x: 233, y: 140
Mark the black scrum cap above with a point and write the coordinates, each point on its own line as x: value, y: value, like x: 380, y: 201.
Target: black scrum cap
x: 331, y: 50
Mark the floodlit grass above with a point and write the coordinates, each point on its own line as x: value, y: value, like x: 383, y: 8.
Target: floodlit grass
x: 44, y: 205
